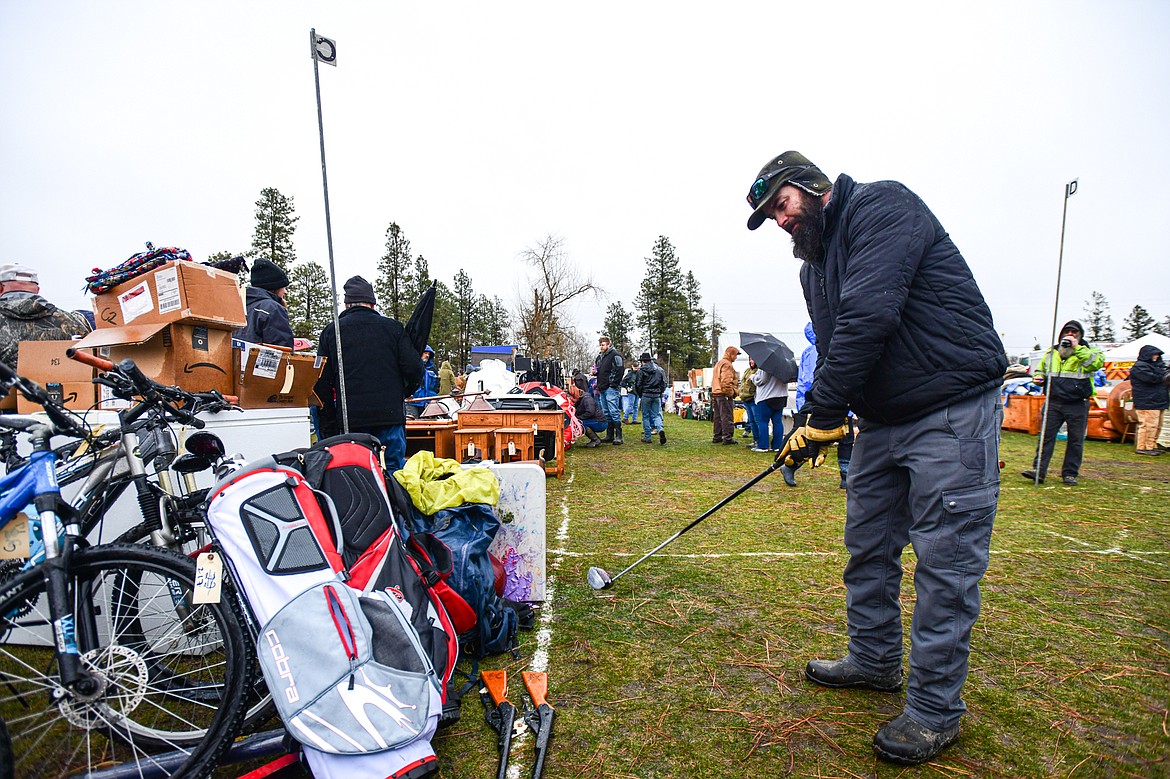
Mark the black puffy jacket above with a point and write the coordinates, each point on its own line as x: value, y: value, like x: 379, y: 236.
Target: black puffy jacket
x: 267, y: 320
x: 901, y: 324
x: 1148, y: 379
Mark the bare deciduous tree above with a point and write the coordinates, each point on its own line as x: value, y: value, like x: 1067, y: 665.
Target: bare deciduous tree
x: 539, y: 312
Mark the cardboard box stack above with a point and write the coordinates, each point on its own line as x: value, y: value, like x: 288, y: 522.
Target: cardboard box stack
x: 175, y: 322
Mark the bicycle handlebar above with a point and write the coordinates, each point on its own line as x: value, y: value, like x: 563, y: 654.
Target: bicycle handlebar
x: 89, y: 359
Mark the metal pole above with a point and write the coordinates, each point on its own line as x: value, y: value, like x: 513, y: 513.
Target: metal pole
x: 329, y: 239
x: 1052, y: 340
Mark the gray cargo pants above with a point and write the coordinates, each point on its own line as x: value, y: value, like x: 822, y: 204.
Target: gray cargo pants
x: 932, y: 483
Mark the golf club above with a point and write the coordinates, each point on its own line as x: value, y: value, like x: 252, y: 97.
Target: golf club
x: 600, y: 580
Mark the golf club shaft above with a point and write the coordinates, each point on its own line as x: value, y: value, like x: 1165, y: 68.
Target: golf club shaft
x: 705, y: 514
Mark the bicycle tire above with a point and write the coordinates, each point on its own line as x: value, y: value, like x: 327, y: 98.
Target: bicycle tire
x: 6, y: 769
x: 169, y: 682
x: 259, y: 708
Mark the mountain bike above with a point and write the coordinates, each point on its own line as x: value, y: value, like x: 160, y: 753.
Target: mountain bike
x: 99, y: 664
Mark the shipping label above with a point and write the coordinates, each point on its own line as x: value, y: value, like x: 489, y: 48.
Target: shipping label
x: 135, y: 302
x: 166, y: 284
x: 267, y: 363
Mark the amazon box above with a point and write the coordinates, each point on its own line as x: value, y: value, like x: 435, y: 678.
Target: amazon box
x: 68, y: 381
x: 178, y: 292
x: 196, y: 358
x: 267, y: 377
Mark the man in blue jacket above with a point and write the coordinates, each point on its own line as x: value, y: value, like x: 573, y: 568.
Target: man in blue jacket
x: 267, y: 317
x: 907, y: 342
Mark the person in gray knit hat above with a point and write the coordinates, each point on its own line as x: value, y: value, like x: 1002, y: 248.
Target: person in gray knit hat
x: 381, y: 370
x: 267, y: 316
x: 907, y: 342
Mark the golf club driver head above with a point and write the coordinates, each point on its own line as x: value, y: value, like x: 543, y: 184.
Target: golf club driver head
x: 599, y: 579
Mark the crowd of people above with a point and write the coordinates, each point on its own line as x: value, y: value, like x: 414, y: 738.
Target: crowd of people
x: 616, y: 394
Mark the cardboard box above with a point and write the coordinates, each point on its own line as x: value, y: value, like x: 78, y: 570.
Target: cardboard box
x: 196, y: 358
x: 268, y: 377
x: 177, y: 292
x: 45, y: 363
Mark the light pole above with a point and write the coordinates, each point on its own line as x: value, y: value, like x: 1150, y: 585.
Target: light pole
x: 668, y: 365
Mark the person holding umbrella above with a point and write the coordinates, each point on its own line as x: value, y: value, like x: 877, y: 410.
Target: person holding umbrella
x: 776, y: 368
x: 907, y: 341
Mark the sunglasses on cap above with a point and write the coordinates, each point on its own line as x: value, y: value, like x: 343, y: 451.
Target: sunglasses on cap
x: 760, y: 188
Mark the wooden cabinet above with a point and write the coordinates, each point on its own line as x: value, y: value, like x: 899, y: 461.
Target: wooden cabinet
x: 548, y: 427
x: 437, y: 437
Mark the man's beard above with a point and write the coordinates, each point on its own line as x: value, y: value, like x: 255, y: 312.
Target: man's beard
x: 808, y: 239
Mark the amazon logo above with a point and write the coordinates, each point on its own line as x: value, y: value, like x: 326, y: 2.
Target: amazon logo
x: 191, y: 367
x: 281, y: 397
x: 70, y: 398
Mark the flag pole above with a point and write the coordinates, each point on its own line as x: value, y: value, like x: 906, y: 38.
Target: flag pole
x: 1070, y: 189
x: 329, y: 239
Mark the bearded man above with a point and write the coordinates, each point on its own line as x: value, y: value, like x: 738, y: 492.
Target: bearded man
x: 907, y: 342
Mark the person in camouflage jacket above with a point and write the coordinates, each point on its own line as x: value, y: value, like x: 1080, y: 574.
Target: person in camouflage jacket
x: 26, y: 316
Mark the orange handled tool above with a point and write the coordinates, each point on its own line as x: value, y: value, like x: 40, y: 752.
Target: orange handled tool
x: 540, y: 722
x: 499, y: 712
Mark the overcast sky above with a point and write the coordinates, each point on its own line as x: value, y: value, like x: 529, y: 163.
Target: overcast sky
x: 480, y: 128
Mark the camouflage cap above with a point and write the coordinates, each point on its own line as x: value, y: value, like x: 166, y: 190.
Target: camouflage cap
x: 16, y: 272
x: 791, y: 167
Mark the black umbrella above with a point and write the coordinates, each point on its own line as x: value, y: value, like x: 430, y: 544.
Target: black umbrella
x: 418, y: 327
x: 771, y: 355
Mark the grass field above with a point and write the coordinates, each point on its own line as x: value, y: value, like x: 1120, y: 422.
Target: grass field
x: 692, y: 664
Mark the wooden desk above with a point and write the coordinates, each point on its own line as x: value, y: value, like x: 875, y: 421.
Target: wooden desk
x: 547, y: 423
x: 433, y: 436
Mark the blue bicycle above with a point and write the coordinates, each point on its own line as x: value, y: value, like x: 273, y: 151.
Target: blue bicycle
x: 105, y: 660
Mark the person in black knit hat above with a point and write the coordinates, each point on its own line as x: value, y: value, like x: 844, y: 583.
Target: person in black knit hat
x: 382, y: 368
x: 267, y: 317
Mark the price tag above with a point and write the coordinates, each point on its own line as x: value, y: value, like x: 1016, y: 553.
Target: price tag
x: 511, y: 448
x: 470, y: 449
x: 14, y: 538
x: 208, y: 578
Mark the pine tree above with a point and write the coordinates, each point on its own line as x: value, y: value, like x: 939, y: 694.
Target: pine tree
x: 1138, y: 323
x: 445, y: 323
x: 619, y: 326
x: 717, y: 328
x: 1163, y: 327
x: 309, y: 295
x: 395, y: 285
x: 661, y: 305
x: 698, y: 352
x: 465, y: 315
x: 275, y: 225
x: 1098, y: 319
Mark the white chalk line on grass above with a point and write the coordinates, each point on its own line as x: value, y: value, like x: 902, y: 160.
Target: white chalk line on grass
x: 521, y: 734
x: 1133, y: 554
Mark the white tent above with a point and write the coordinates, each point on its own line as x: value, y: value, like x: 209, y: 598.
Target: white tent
x: 1129, y: 352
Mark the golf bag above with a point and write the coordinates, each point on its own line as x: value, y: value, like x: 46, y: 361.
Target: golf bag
x: 282, y: 539
x: 346, y: 468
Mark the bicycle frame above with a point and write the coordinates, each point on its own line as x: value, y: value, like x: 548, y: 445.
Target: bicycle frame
x: 36, y: 484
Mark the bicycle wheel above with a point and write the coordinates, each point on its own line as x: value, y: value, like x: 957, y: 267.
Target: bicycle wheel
x: 171, y: 676
x: 6, y: 770
x: 258, y: 706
